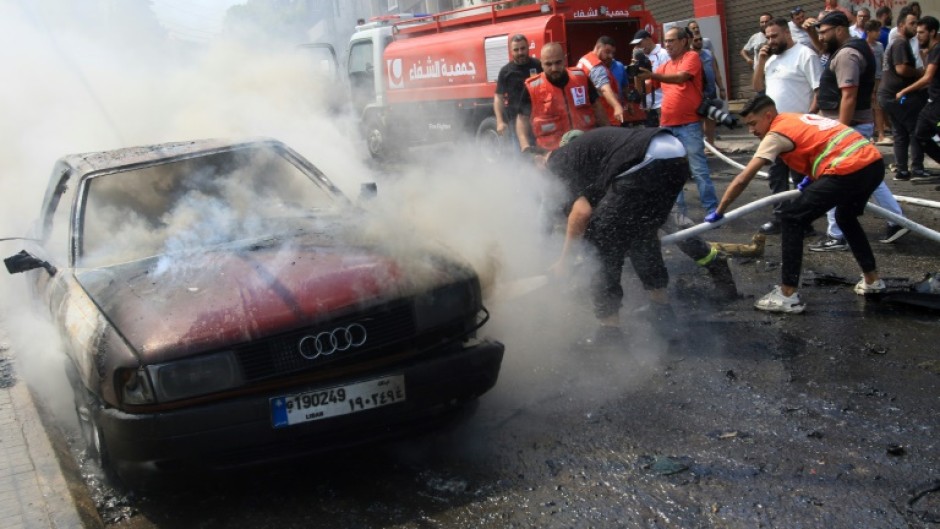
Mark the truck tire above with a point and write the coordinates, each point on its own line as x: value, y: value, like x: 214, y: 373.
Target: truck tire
x: 376, y: 140
x: 491, y: 144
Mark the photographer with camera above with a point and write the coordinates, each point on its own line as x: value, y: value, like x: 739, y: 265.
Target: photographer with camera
x: 649, y: 56
x: 681, y: 82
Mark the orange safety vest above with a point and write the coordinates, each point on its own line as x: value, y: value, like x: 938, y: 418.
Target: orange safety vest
x: 587, y: 63
x: 556, y: 111
x: 823, y: 146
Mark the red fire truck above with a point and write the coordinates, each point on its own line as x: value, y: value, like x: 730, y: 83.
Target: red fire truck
x: 423, y: 79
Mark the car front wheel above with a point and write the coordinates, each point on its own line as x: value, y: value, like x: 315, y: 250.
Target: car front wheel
x: 92, y: 435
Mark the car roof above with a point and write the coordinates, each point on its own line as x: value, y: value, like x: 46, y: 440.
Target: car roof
x: 96, y: 161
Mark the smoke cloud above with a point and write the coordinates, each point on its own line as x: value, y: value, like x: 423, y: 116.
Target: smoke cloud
x: 74, y: 91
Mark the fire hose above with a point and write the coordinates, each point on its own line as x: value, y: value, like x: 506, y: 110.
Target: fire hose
x: 721, y: 156
x: 917, y: 201
x: 923, y: 231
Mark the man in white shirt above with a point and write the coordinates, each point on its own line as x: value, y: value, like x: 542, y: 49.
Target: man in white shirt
x: 658, y: 56
x: 749, y: 51
x: 789, y: 73
x: 797, y: 18
x: 862, y: 16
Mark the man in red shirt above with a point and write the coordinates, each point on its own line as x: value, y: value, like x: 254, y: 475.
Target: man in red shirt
x: 681, y: 81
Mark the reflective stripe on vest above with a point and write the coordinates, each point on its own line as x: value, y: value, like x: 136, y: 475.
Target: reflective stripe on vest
x: 823, y: 146
x: 832, y: 143
x: 852, y: 148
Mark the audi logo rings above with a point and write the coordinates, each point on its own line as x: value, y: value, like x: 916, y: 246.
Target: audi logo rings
x: 326, y: 343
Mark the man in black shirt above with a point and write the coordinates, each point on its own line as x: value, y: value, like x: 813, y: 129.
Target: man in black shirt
x: 898, y: 72
x: 928, y: 38
x: 510, y: 83
x: 621, y: 184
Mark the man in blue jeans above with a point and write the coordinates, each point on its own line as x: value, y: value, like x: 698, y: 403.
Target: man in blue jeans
x: 845, y: 90
x: 681, y: 81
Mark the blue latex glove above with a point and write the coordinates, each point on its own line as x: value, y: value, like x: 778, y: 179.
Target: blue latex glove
x: 804, y: 184
x: 714, y: 216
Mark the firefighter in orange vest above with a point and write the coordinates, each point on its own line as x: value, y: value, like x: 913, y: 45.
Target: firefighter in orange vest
x: 843, y: 170
x: 595, y: 64
x: 556, y: 101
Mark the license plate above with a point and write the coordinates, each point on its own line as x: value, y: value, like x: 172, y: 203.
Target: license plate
x: 339, y: 400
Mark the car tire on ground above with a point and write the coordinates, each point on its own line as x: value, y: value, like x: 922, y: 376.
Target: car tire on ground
x: 92, y: 436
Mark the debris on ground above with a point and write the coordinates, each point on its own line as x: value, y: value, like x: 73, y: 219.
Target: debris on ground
x: 754, y: 249
x: 722, y: 435
x: 665, y: 465
x: 930, y: 284
x: 924, y: 294
x: 919, y: 493
x: 894, y: 449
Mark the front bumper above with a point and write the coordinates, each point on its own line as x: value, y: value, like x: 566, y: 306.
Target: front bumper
x: 238, y: 432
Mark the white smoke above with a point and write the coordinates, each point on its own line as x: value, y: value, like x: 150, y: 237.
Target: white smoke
x: 68, y: 91
x: 72, y: 88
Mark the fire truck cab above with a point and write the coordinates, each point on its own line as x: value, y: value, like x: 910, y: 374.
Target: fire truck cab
x: 419, y: 79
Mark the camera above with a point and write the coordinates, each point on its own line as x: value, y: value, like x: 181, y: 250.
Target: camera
x: 711, y: 109
x: 639, y: 61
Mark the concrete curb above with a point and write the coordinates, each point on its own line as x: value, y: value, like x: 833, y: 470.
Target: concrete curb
x: 33, y: 489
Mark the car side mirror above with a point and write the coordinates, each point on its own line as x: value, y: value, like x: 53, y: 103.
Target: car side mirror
x: 24, y: 261
x: 368, y: 191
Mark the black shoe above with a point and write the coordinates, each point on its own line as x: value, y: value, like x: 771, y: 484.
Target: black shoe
x: 771, y: 227
x: 603, y: 336
x: 921, y: 174
x: 829, y: 244
x: 893, y: 233
x: 903, y: 176
x: 721, y: 276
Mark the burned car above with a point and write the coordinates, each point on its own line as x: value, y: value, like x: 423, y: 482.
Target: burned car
x: 223, y: 304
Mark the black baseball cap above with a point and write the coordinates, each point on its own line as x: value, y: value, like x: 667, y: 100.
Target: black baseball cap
x: 640, y: 35
x: 796, y: 10
x: 834, y: 18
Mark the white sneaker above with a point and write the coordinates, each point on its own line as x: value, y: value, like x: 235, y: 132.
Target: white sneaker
x: 862, y: 288
x: 775, y: 301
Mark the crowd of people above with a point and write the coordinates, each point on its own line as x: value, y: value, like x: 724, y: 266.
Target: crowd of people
x: 829, y: 88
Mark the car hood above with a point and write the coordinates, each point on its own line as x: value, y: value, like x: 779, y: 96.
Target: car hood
x: 205, y: 301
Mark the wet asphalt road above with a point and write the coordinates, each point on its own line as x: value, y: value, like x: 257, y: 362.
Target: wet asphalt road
x: 826, y: 419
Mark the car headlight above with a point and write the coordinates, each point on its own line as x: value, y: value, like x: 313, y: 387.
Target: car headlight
x: 446, y: 304
x: 135, y: 386
x: 195, y: 376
